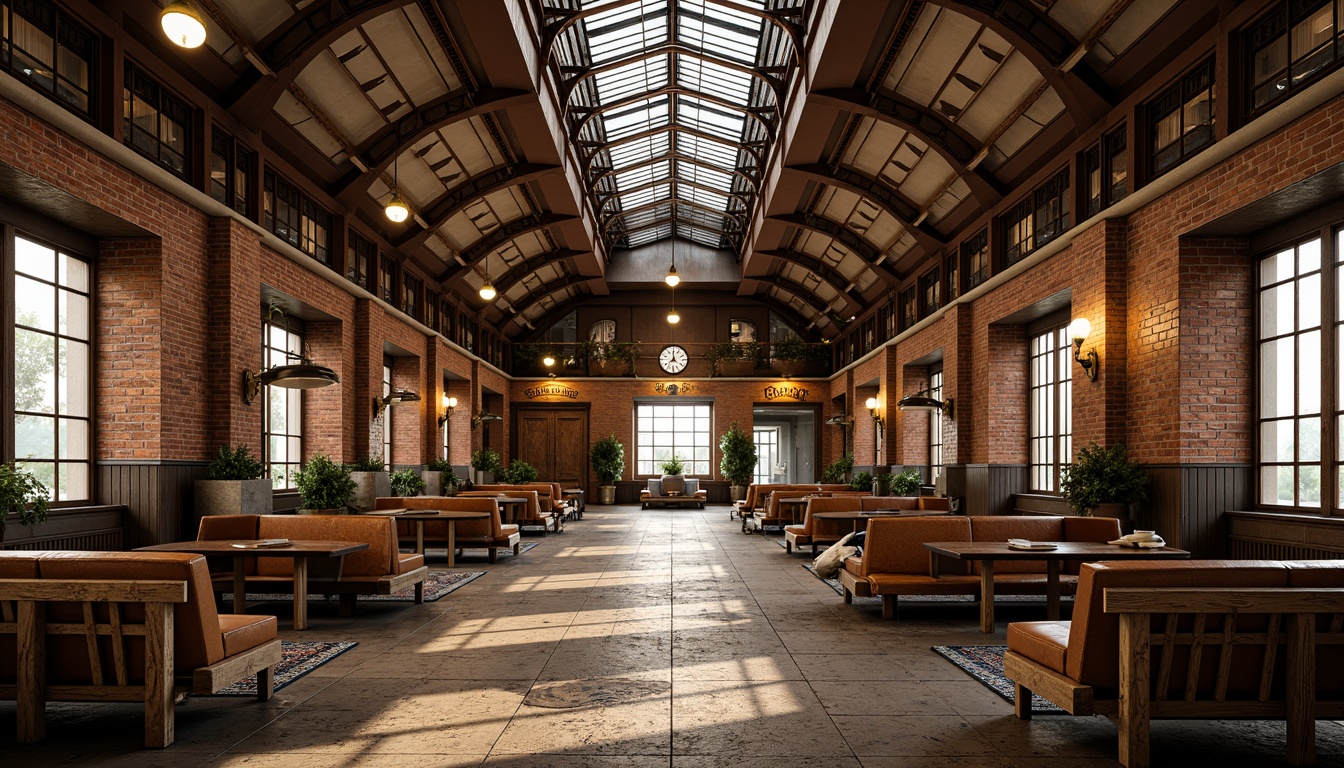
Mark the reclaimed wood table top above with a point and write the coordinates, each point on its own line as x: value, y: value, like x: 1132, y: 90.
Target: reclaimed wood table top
x: 1064, y: 550
x: 432, y: 514
x: 862, y: 514
x: 295, y: 548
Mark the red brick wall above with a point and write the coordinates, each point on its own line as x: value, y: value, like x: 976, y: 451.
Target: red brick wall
x: 1217, y: 350
x: 129, y: 385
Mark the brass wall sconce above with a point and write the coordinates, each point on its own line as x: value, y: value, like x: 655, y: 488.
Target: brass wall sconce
x: 924, y: 401
x: 874, y: 407
x: 397, y: 397
x: 449, y: 405
x: 1079, y: 330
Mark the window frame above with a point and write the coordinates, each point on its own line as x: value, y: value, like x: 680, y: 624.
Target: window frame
x: 936, y: 432
x: 930, y: 291
x: 138, y: 84
x: 689, y: 461
x: 1260, y: 35
x: 1175, y: 99
x: 306, y: 225
x: 1059, y: 434
x: 975, y: 258
x: 239, y: 162
x: 59, y: 36
x: 386, y: 414
x: 293, y: 407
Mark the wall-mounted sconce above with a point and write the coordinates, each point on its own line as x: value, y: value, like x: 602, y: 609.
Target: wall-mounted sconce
x: 397, y: 397
x: 844, y: 422
x: 1079, y: 330
x: 548, y: 360
x: 304, y: 374
x: 483, y: 416
x: 449, y: 405
x: 922, y: 401
x: 874, y: 407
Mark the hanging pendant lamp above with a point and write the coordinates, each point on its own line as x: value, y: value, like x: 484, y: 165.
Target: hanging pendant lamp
x: 398, y: 210
x: 183, y: 24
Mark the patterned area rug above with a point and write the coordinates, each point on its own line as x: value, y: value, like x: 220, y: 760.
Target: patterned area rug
x: 296, y: 660
x: 437, y: 584
x: 476, y: 555
x: 985, y: 664
x: 835, y: 584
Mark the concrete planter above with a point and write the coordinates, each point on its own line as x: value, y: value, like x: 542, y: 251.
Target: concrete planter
x: 433, y: 482
x: 482, y: 478
x: 368, y: 487
x: 790, y: 367
x: 234, y: 497
x: 738, y: 492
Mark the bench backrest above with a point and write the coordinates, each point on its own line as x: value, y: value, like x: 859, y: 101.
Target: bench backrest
x: 1003, y: 528
x: 896, y: 544
x: 935, y: 503
x: 531, y: 511
x: 490, y: 526
x: 380, y: 559
x: 869, y: 503
x: 757, y: 492
x: 1329, y: 659
x: 812, y: 526
x: 772, y: 507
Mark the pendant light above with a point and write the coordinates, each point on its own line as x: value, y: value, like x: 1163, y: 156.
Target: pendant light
x: 397, y: 208
x: 672, y: 279
x: 488, y: 292
x: 182, y: 24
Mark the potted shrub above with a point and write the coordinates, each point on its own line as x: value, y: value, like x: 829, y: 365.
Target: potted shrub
x: 734, y: 358
x: 608, y: 459
x: 790, y: 356
x: 863, y: 481
x: 738, y: 460
x: 22, y: 497
x: 407, y: 482
x: 838, y: 471
x: 1103, y: 482
x: 673, y: 482
x: 906, y: 483
x: 612, y: 358
x: 486, y: 463
x: 520, y: 473
x: 882, y: 484
x: 433, y: 476
x: 235, y: 486
x: 372, y: 480
x: 325, y: 487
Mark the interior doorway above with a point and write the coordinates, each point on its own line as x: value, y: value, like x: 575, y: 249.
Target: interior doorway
x: 786, y: 443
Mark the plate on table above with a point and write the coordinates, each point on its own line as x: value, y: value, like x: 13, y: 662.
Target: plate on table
x: 1033, y: 546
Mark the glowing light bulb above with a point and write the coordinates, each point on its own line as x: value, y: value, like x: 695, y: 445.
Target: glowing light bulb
x: 182, y: 24
x: 488, y: 290
x: 397, y: 210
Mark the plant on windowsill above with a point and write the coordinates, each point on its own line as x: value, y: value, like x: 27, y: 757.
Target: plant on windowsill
x: 608, y: 461
x: 407, y: 482
x: 1103, y: 482
x: 838, y: 471
x: 372, y: 480
x: 22, y: 497
x: 235, y: 485
x: 906, y: 483
x: 486, y: 463
x: 738, y: 460
x: 325, y: 487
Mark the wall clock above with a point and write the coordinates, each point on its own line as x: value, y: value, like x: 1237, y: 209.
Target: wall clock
x: 673, y: 359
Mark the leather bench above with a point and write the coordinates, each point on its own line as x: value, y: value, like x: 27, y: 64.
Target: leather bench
x: 487, y: 533
x: 673, y: 490
x: 121, y: 626
x: 814, y: 531
x: 758, y: 494
x: 540, y: 511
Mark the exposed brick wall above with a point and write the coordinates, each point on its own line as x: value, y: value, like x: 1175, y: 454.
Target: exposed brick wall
x: 1005, y: 401
x: 235, y: 331
x: 129, y: 385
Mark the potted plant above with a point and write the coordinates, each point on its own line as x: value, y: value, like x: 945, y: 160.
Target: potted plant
x: 612, y: 358
x: 838, y: 470
x: 733, y: 358
x: 407, y: 482
x: 433, y: 475
x: 520, y: 473
x: 608, y: 460
x: 790, y: 356
x: 882, y: 484
x: 738, y: 460
x: 486, y: 463
x: 372, y: 480
x: 235, y: 486
x: 674, y: 484
x: 863, y: 481
x: 1103, y: 482
x: 325, y: 487
x: 22, y: 496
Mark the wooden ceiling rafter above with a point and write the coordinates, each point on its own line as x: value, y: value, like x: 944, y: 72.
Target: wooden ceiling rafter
x: 824, y: 272
x: 480, y: 186
x: 890, y: 201
x: 849, y: 240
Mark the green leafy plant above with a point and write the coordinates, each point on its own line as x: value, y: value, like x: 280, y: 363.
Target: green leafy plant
x: 234, y: 464
x: 486, y: 460
x: 672, y: 466
x: 789, y: 349
x: 608, y: 460
x: 907, y: 483
x: 838, y: 471
x: 739, y: 456
x: 451, y: 483
x: 439, y: 465
x: 324, y: 484
x: 1102, y: 476
x: 863, y: 481
x: 367, y: 464
x: 520, y: 473
x: 883, y: 480
x: 22, y: 496
x: 407, y: 482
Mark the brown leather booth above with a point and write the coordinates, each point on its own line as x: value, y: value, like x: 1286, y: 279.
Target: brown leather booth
x: 487, y: 533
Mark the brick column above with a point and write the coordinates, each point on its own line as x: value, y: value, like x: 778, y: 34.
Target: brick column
x: 235, y: 340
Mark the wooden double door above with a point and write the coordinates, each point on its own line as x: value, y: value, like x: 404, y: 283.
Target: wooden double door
x: 554, y: 439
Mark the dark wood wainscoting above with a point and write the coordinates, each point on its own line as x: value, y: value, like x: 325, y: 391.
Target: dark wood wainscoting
x: 1278, y: 536
x: 1187, y: 503
x: 158, y: 497
x: 96, y: 529
x: 986, y: 489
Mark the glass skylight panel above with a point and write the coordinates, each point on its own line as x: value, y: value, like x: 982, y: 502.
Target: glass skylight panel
x: 716, y: 79
x: 638, y: 150
x: 627, y: 30
x: 629, y: 79
x: 710, y: 118
x: 643, y: 196
x: 703, y: 197
x: 705, y: 176
x: 724, y: 31
x: 634, y: 177
x: 717, y: 153
x: 646, y: 114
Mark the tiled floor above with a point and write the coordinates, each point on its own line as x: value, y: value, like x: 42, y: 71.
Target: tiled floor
x: 742, y: 659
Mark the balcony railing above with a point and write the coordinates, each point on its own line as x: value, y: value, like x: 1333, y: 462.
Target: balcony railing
x: 757, y: 359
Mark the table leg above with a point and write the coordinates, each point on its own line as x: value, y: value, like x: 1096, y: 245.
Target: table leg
x: 1052, y: 590
x: 452, y: 543
x: 239, y: 585
x: 419, y: 537
x: 987, y: 596
x: 300, y: 593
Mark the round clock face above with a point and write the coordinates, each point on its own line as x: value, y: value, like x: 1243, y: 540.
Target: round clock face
x: 673, y: 359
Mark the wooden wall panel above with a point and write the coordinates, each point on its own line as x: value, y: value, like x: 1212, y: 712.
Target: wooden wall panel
x: 88, y: 528
x: 157, y: 497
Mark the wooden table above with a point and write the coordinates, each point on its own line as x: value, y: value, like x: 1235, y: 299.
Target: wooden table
x: 419, y: 516
x: 300, y: 551
x: 793, y: 504
x: 857, y: 516
x: 576, y: 494
x: 987, y: 552
x: 508, y: 508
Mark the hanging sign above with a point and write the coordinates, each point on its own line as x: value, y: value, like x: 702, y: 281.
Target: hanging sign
x: 551, y: 390
x: 785, y: 392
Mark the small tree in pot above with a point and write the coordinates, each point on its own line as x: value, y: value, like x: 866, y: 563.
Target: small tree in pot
x: 672, y: 481
x: 738, y: 461
x: 906, y: 483
x: 608, y: 460
x: 486, y: 463
x: 22, y: 497
x: 1103, y: 481
x: 838, y: 470
x: 407, y: 482
x: 434, y: 474
x: 372, y: 480
x: 325, y: 487
x: 236, y: 485
x: 520, y: 473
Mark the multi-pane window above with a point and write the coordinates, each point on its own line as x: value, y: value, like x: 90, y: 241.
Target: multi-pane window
x: 1291, y: 375
x: 295, y: 218
x: 767, y: 453
x: 975, y: 256
x: 952, y: 264
x: 1050, y: 398
x: 682, y: 429
x: 930, y: 292
x: 155, y: 123
x: 282, y: 416
x: 1180, y: 119
x: 1037, y: 219
x: 230, y: 169
x: 43, y: 47
x: 1115, y: 168
x: 936, y: 424
x: 387, y: 415
x: 360, y: 256
x: 1017, y: 232
x: 445, y: 319
x: 387, y: 279
x: 410, y: 295
x: 909, y: 307
x: 1291, y: 46
x: 51, y: 324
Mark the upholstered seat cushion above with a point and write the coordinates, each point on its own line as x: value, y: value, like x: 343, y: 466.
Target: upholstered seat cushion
x: 242, y: 633
x: 910, y: 584
x: 655, y: 487
x: 796, y: 530
x: 692, y: 486
x: 1044, y: 642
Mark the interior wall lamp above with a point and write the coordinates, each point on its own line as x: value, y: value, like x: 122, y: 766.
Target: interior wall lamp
x: 484, y: 416
x: 397, y: 397
x: 874, y: 407
x: 924, y: 401
x: 449, y: 405
x: 1079, y: 330
x: 305, y: 374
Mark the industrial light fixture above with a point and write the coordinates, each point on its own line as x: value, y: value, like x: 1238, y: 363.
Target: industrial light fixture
x: 924, y: 401
x: 840, y: 420
x: 672, y: 317
x: 398, y: 210
x: 304, y: 374
x: 488, y: 292
x: 672, y: 277
x: 1079, y: 330
x: 183, y: 24
x: 874, y: 407
x: 395, y: 397
x: 484, y: 416
x: 548, y: 360
x: 449, y: 405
